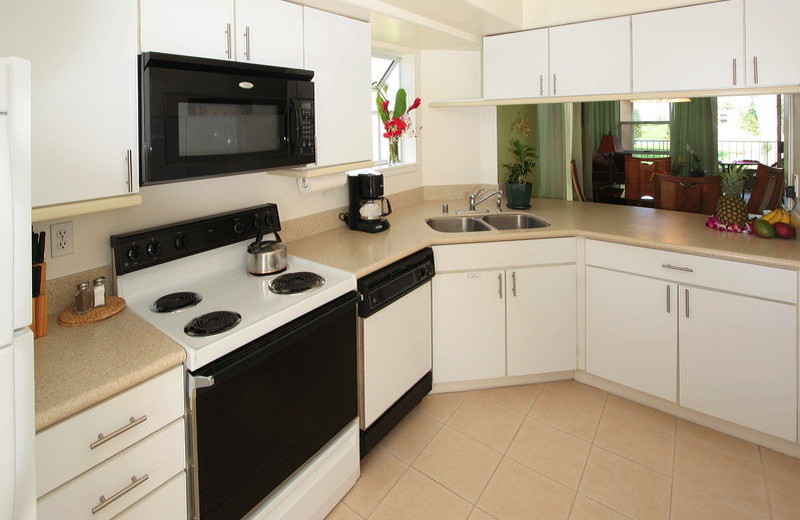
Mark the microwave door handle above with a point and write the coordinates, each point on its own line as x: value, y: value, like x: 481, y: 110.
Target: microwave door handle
x: 296, y: 126
x: 287, y: 122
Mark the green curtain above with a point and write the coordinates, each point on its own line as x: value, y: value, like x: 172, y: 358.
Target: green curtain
x: 694, y: 123
x: 551, y: 123
x: 599, y: 118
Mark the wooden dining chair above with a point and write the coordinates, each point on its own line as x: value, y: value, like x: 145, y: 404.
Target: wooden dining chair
x: 639, y: 174
x: 692, y: 194
x: 767, y: 191
x: 576, y: 182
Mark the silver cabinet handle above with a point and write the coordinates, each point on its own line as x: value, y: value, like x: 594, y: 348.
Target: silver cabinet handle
x: 755, y: 70
x: 555, y: 90
x: 102, y: 439
x: 229, y: 50
x: 734, y: 71
x: 541, y: 84
x: 247, y: 43
x: 500, y: 285
x: 129, y: 158
x: 514, y: 283
x: 130, y: 487
x: 677, y: 268
x: 669, y: 308
x: 687, y: 302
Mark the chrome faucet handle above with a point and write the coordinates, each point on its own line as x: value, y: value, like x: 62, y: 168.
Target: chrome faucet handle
x: 499, y: 200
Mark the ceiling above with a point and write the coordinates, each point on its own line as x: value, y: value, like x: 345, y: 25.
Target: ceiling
x: 462, y: 24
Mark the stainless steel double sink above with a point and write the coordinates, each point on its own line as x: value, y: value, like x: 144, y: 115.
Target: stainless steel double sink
x: 493, y: 222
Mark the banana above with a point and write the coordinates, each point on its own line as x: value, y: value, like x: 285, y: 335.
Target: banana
x: 773, y: 216
x: 785, y: 217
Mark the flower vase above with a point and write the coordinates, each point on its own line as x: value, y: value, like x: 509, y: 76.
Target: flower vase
x: 394, y: 151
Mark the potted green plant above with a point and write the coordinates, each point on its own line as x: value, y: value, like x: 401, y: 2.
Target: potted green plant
x: 518, y: 188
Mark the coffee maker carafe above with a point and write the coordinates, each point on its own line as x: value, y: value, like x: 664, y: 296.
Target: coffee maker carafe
x: 368, y: 206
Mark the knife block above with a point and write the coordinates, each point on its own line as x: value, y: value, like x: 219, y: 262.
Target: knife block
x: 39, y: 323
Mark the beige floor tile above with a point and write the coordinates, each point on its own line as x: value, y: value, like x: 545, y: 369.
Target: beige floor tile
x: 441, y: 406
x: 625, y: 486
x: 689, y: 503
x: 549, y: 451
x: 486, y: 421
x: 478, y: 514
x: 519, y: 493
x: 417, y: 497
x: 721, y: 466
x: 640, y: 411
x: 783, y: 483
x: 410, y: 437
x: 459, y: 463
x: 342, y: 512
x: 519, y: 398
x: 587, y: 509
x: 650, y: 443
x: 380, y: 470
x: 570, y: 406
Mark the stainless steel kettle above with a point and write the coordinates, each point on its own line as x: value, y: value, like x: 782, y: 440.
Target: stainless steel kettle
x: 266, y: 256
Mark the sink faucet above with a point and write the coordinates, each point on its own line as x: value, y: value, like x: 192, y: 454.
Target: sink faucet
x: 473, y: 199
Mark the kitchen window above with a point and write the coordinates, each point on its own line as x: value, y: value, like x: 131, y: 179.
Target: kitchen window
x: 390, y: 72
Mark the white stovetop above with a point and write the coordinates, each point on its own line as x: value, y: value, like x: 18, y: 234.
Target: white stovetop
x: 221, y: 278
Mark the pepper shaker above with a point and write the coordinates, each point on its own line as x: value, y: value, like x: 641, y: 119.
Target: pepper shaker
x: 83, y: 299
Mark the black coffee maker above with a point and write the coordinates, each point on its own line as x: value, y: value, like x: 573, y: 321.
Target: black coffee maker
x: 368, y: 206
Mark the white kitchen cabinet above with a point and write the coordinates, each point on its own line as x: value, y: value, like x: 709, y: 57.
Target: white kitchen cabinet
x: 121, y: 449
x: 268, y: 32
x: 631, y: 331
x: 541, y: 319
x: 468, y: 326
x: 84, y: 94
x: 167, y: 502
x: 689, y: 48
x: 516, y: 65
x: 772, y: 42
x: 504, y: 308
x: 734, y: 332
x: 591, y: 57
x: 339, y: 51
x: 738, y: 360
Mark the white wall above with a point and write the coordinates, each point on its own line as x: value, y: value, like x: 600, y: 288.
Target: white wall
x: 458, y: 145
x: 544, y: 13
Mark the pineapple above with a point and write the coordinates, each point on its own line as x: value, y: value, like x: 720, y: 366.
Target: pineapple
x: 731, y: 208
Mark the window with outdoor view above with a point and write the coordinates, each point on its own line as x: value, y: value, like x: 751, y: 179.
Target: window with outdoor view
x: 386, y: 77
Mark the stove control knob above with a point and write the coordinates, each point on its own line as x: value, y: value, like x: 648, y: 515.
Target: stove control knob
x: 180, y: 241
x: 134, y: 253
x: 153, y: 249
x: 238, y: 228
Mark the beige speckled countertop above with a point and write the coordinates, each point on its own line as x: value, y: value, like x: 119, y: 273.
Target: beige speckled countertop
x: 77, y: 367
x: 362, y: 253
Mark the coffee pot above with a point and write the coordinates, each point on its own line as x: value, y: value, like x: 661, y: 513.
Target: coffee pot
x: 368, y: 206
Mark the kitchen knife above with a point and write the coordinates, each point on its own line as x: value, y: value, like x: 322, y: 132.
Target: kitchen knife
x: 37, y: 280
x: 40, y: 248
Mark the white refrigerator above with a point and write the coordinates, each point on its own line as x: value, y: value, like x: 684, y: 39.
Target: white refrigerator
x: 17, y: 427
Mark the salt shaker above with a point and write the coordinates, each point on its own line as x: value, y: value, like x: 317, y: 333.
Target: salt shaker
x: 83, y: 298
x: 99, y: 291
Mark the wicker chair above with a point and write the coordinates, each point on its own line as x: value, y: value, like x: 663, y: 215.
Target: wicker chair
x: 693, y: 194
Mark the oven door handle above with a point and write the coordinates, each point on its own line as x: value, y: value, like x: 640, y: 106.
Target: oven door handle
x: 201, y: 381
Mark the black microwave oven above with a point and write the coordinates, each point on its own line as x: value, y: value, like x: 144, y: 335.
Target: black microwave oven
x: 205, y: 118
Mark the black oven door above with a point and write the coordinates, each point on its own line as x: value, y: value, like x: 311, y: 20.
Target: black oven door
x: 269, y: 407
x: 218, y: 119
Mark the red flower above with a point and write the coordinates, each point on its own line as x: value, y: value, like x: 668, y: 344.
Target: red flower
x: 385, y: 106
x: 414, y: 105
x: 394, y: 127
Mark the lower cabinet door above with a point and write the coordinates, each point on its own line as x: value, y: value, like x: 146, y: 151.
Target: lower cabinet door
x: 469, y: 339
x: 738, y: 360
x: 167, y: 502
x: 631, y: 331
x: 541, y: 319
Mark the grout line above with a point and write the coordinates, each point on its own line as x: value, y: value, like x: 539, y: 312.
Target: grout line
x: 674, y: 459
x: 765, y: 481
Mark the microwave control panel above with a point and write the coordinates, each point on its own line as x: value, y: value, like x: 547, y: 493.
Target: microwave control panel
x: 306, y: 127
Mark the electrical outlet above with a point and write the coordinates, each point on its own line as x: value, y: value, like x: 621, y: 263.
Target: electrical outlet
x: 62, y: 240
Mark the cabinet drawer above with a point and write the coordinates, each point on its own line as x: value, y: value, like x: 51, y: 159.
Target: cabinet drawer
x: 167, y: 502
x: 754, y: 280
x: 501, y: 255
x: 152, y: 461
x: 64, y: 450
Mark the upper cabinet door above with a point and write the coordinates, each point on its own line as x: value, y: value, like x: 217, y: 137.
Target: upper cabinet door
x: 590, y: 58
x: 269, y: 32
x: 772, y: 42
x: 690, y: 48
x: 202, y: 28
x: 516, y: 65
x: 84, y: 95
x: 339, y: 51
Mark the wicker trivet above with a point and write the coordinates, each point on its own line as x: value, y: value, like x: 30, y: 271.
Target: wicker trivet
x: 69, y: 318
